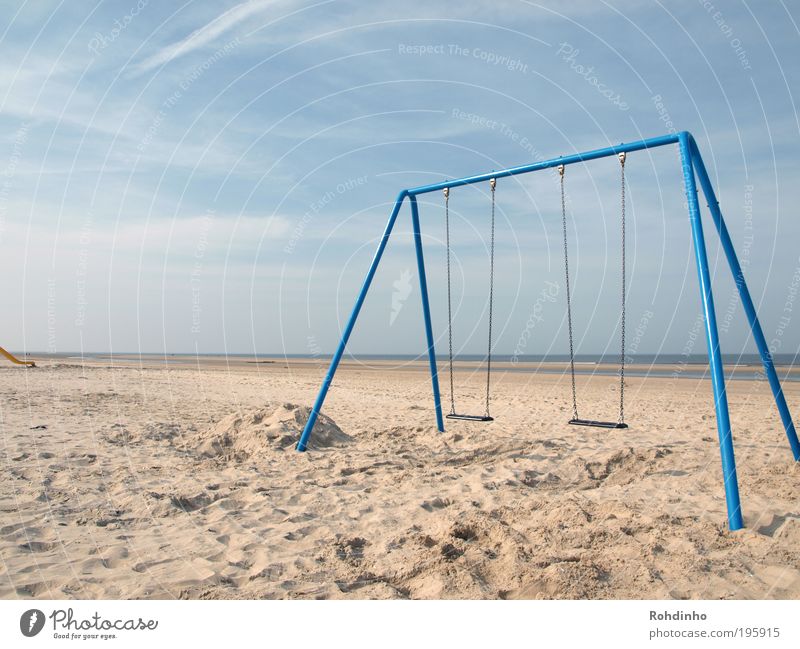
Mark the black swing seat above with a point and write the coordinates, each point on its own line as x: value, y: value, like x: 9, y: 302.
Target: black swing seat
x: 453, y: 415
x: 598, y: 424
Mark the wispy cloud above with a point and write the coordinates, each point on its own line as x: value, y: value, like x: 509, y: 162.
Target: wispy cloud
x: 206, y: 34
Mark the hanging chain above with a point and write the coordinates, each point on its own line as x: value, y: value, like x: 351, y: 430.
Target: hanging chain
x: 493, y: 185
x: 569, y: 304
x: 449, y: 299
x: 622, y: 324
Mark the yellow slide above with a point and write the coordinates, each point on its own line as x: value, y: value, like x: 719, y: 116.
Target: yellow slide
x: 15, y: 360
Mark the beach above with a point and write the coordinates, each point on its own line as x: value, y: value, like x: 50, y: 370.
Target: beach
x: 153, y: 478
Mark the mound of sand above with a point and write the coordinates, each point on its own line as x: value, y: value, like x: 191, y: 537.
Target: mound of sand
x: 242, y: 435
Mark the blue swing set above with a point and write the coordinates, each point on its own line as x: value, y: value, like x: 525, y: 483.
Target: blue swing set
x: 693, y: 169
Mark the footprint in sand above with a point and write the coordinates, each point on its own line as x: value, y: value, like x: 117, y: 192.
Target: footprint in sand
x: 351, y: 550
x: 38, y: 590
x: 83, y: 459
x: 302, y: 533
x: 271, y: 572
x: 436, y: 503
x: 191, y: 503
x: 38, y: 546
x: 114, y: 557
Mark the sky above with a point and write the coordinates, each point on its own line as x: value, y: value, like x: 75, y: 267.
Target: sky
x: 213, y: 177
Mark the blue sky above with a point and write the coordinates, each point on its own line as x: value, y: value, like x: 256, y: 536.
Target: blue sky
x: 213, y: 177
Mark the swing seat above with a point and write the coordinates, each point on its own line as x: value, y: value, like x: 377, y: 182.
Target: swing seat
x: 470, y: 417
x: 597, y: 424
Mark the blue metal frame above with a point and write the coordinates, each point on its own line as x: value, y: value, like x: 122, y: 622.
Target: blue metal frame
x: 692, y: 164
x: 712, y: 341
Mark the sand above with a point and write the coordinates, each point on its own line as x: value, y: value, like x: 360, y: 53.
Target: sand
x: 154, y: 480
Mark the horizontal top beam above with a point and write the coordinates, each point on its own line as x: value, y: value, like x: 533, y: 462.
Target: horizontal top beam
x: 638, y: 145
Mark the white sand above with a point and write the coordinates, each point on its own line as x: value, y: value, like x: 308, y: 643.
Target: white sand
x: 157, y: 483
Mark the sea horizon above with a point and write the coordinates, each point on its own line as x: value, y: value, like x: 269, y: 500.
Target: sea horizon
x: 747, y: 359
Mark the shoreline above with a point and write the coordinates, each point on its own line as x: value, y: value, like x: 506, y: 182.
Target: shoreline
x: 651, y: 371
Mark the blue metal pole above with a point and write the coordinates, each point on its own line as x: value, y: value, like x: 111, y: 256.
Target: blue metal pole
x: 547, y: 164
x: 747, y: 301
x: 326, y: 383
x: 712, y: 340
x: 426, y: 312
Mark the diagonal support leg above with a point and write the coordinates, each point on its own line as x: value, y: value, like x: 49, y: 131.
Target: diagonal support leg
x: 326, y: 383
x: 426, y: 313
x: 712, y: 340
x: 747, y: 301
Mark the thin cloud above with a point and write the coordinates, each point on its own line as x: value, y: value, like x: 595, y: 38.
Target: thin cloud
x: 203, y: 36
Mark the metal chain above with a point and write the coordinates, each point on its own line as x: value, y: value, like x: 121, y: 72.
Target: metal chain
x: 449, y: 300
x: 569, y: 304
x: 622, y: 324
x: 492, y: 184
